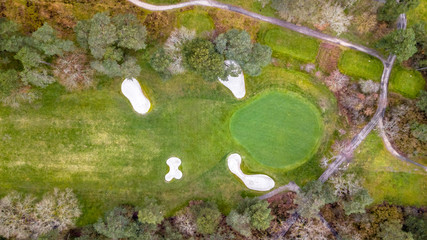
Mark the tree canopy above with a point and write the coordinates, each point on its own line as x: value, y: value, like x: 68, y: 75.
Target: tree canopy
x: 312, y: 197
x: 237, y: 45
x: 401, y: 43
x: 201, y: 57
x: 392, y: 8
x: 110, y: 42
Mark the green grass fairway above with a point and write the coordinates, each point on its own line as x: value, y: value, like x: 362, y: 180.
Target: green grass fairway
x: 93, y: 142
x: 194, y: 19
x: 360, y: 65
x: 388, y: 178
x: 280, y: 130
x: 409, y: 83
x: 291, y: 44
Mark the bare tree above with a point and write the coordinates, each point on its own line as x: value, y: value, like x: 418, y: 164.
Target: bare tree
x: 73, y: 71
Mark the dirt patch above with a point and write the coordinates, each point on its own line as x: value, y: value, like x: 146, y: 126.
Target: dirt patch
x: 328, y: 57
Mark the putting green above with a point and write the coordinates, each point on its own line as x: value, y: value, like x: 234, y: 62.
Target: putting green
x: 280, y: 130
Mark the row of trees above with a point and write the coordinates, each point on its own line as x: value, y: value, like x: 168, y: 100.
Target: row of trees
x: 22, y: 217
x: 183, y: 51
x: 342, y: 202
x: 107, y: 46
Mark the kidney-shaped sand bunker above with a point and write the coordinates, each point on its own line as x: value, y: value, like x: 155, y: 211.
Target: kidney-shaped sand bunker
x: 279, y: 129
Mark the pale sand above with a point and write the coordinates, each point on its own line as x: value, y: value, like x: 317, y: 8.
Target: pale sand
x: 258, y: 182
x: 174, y: 172
x: 235, y: 84
x: 132, y: 90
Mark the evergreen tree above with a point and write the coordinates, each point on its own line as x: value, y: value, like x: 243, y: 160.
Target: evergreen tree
x: 201, y: 57
x: 401, y: 43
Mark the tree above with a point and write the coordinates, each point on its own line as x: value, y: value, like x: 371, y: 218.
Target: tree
x: 38, y: 77
x: 392, y: 8
x: 400, y: 42
x: 11, y: 39
x: 236, y: 45
x: 207, y: 217
x: 45, y: 40
x: 117, y: 225
x: 335, y: 17
x: 57, y: 210
x: 160, y: 62
x: 201, y: 57
x: 392, y: 230
x: 102, y: 34
x: 17, y: 216
x: 422, y: 101
x: 417, y: 226
x: 22, y: 218
x: 366, y: 22
x: 312, y: 197
x: 151, y: 213
x: 29, y: 57
x: 110, y: 42
x: 239, y: 223
x: 296, y: 11
x: 130, y: 68
x: 419, y: 131
x: 73, y: 71
x: 131, y: 34
x: 107, y: 67
x: 358, y: 202
x: 9, y: 80
x: 257, y: 213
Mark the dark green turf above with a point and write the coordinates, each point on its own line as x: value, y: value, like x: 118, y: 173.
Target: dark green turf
x: 278, y: 129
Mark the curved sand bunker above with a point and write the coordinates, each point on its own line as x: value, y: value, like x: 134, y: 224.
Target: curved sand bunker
x: 235, y: 84
x: 258, y: 182
x: 174, y: 172
x: 132, y: 90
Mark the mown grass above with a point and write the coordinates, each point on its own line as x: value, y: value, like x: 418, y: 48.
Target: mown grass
x: 289, y: 43
x: 407, y: 82
x: 94, y: 143
x: 360, y: 65
x: 279, y: 129
x: 388, y: 178
x: 196, y: 19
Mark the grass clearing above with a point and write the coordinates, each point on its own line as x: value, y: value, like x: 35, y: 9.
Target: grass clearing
x: 195, y: 19
x: 360, y: 65
x: 280, y: 130
x: 289, y: 43
x: 409, y: 83
x: 388, y: 178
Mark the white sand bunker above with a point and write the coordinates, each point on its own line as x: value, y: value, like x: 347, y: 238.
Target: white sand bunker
x: 258, y: 182
x: 174, y: 172
x: 132, y: 90
x: 235, y: 84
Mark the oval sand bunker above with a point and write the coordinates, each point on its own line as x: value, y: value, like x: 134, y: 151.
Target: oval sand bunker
x: 235, y: 84
x: 174, y: 172
x: 132, y: 90
x: 258, y: 182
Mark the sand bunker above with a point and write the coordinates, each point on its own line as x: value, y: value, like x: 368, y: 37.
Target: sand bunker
x: 258, y: 182
x: 132, y: 90
x: 174, y: 172
x: 235, y: 84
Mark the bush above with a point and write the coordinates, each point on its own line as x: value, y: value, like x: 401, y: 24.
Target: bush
x: 201, y: 57
x: 151, y: 213
x: 207, y: 217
